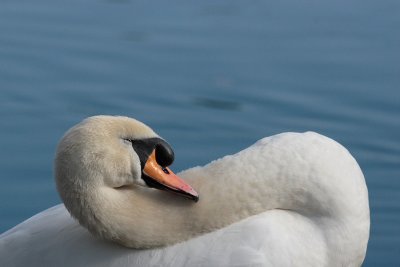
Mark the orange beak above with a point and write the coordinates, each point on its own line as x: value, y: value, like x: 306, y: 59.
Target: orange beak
x: 163, y: 178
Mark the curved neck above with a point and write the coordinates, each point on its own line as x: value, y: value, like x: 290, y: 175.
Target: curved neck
x: 293, y: 172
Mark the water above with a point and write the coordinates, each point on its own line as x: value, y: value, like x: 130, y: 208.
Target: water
x: 211, y: 77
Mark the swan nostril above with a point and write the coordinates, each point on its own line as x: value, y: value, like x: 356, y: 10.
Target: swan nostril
x: 165, y: 170
x: 164, y: 154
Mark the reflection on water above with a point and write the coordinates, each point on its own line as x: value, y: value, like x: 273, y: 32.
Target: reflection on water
x: 210, y: 77
x: 217, y: 104
x: 135, y: 36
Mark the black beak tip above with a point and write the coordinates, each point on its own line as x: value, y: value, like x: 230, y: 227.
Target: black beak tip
x: 195, y: 198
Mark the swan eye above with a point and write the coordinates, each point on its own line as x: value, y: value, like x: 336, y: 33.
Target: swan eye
x: 164, y: 154
x: 127, y: 140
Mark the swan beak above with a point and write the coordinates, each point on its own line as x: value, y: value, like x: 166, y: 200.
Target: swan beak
x: 167, y: 180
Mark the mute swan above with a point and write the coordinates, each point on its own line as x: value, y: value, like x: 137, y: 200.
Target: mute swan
x: 294, y: 199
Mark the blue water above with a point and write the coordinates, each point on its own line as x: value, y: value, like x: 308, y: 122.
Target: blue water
x: 211, y: 77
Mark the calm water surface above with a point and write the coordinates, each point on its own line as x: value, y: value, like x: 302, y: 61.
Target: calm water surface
x: 212, y: 77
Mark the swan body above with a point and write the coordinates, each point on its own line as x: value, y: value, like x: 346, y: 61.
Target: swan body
x: 293, y: 199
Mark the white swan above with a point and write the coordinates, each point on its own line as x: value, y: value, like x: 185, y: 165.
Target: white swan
x: 289, y: 200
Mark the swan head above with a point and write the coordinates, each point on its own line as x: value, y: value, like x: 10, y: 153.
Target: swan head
x: 103, y: 160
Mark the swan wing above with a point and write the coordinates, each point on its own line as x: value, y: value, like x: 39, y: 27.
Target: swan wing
x: 53, y: 238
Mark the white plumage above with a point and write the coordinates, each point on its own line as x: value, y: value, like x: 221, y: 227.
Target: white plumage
x: 289, y: 200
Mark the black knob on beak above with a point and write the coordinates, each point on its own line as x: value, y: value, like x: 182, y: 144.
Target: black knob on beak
x: 164, y: 154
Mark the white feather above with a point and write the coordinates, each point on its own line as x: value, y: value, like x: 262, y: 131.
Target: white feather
x: 289, y: 200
